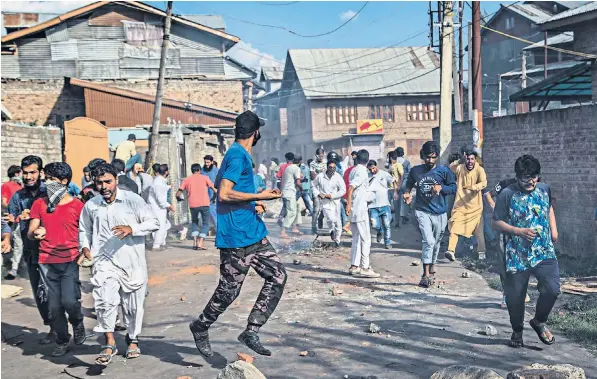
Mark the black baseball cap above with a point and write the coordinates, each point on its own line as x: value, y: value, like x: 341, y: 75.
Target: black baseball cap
x: 246, y: 123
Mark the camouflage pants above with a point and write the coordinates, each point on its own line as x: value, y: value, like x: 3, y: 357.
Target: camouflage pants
x: 234, y: 266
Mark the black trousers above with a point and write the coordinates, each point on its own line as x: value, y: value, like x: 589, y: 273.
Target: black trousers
x: 64, y: 294
x: 515, y: 286
x: 39, y: 292
x: 234, y: 266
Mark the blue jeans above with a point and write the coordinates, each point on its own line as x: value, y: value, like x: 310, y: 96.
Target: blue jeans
x: 204, y: 211
x: 213, y: 214
x: 381, y: 218
x: 131, y: 162
x: 343, y: 218
x: 489, y: 235
x: 306, y: 196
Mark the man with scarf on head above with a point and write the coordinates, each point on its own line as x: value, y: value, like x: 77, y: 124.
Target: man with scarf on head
x: 112, y: 232
x: 209, y: 168
x: 242, y: 240
x: 433, y: 183
x: 14, y: 184
x: 19, y: 210
x: 55, y: 224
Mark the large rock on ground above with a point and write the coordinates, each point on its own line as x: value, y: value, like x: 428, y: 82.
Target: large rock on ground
x: 540, y: 371
x: 240, y: 370
x: 465, y: 372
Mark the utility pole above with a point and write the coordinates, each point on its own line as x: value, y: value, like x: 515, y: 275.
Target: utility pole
x: 544, y: 55
x: 445, y: 120
x: 470, y: 72
x: 477, y: 80
x: 460, y: 58
x: 456, y: 81
x: 155, y: 125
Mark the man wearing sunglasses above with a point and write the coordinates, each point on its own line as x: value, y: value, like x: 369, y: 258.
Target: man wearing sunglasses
x: 524, y: 214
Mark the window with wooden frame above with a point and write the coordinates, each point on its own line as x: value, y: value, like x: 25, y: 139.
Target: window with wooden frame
x: 421, y: 111
x: 413, y: 146
x: 340, y: 114
x: 381, y: 112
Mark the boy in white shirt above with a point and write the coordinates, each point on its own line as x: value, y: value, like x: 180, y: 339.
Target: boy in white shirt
x: 380, y: 209
x: 356, y: 209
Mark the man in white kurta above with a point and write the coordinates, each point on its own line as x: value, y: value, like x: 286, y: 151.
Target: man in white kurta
x: 158, y: 201
x: 329, y: 187
x: 112, y: 231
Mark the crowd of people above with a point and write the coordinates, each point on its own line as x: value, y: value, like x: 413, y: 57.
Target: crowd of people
x: 107, y: 224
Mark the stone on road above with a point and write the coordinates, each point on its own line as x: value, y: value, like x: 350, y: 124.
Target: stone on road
x: 465, y: 372
x: 541, y: 371
x: 240, y: 370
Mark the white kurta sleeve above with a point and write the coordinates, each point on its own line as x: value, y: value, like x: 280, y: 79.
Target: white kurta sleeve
x: 339, y: 189
x: 85, y: 228
x: 147, y: 221
x: 315, y: 187
x: 161, y: 193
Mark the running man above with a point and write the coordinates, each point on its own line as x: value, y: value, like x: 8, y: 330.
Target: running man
x: 433, y: 183
x: 524, y: 213
x: 242, y: 240
x: 329, y: 188
x: 112, y: 231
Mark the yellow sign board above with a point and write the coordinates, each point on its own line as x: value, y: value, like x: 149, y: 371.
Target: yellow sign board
x: 369, y: 126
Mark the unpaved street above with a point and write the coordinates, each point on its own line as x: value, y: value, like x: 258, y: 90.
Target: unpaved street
x: 324, y: 312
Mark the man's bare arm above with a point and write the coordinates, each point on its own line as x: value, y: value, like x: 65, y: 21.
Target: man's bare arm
x: 490, y: 200
x: 227, y: 195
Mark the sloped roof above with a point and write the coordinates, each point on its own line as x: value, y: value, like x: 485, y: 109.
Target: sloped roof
x: 333, y: 73
x: 530, y: 11
x: 551, y: 41
x: 132, y: 4
x: 210, y: 20
x: 234, y: 69
x: 271, y: 73
x: 572, y: 84
x: 582, y: 13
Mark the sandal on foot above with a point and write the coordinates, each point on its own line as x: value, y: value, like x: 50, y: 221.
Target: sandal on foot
x: 542, y: 332
x: 132, y: 353
x: 104, y: 359
x: 425, y: 282
x: 516, y: 340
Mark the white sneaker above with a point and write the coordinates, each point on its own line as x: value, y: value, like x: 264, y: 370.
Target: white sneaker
x: 450, y: 256
x: 354, y: 271
x: 368, y: 273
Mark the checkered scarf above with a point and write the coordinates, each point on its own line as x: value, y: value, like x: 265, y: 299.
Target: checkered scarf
x: 56, y: 191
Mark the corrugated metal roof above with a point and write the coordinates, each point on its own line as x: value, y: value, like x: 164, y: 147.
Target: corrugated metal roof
x: 211, y: 66
x: 551, y: 41
x: 550, y: 67
x: 589, y: 7
x: 272, y: 73
x: 64, y: 51
x: 328, y: 73
x: 10, y: 67
x: 182, y: 35
x: 233, y: 70
x: 98, y: 69
x: 530, y: 11
x: 99, y: 50
x: 58, y: 33
x: 212, y: 21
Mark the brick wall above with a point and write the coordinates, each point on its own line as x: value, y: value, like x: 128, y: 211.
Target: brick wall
x: 20, y: 141
x: 41, y: 101
x: 564, y: 141
x: 226, y: 95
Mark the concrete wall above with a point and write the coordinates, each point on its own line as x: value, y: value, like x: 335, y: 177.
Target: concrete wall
x: 41, y: 101
x: 585, y: 37
x: 20, y: 141
x: 564, y: 141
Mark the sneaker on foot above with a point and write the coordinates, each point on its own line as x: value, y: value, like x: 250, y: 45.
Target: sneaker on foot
x: 11, y: 275
x: 201, y: 338
x: 79, y: 333
x: 251, y: 339
x: 450, y: 256
x: 388, y: 246
x: 347, y: 232
x: 368, y: 273
x: 379, y: 237
x: 49, y: 338
x: 354, y: 270
x: 60, y: 349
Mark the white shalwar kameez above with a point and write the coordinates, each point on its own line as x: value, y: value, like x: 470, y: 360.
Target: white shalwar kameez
x: 336, y: 187
x: 119, y: 272
x: 158, y: 201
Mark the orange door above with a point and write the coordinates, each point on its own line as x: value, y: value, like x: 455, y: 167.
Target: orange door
x: 84, y: 140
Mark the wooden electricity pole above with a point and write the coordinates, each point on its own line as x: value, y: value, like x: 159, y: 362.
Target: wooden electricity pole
x: 155, y: 125
x: 477, y: 80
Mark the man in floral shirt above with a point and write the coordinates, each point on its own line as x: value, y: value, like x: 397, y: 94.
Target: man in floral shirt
x: 524, y: 214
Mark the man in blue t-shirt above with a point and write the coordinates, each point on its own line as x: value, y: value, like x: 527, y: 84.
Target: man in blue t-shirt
x: 241, y: 238
x: 433, y: 184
